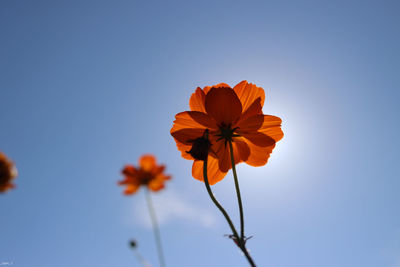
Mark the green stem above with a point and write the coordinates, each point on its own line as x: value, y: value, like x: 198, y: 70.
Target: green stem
x: 237, y: 192
x: 228, y: 219
x: 156, y: 229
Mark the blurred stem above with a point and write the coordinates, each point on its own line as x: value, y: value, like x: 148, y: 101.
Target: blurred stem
x: 140, y: 258
x: 156, y: 229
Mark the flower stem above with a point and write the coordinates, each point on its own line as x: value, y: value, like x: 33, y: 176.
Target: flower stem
x: 141, y: 259
x: 156, y: 229
x: 228, y: 219
x: 237, y: 192
x: 242, y: 239
x: 240, y: 242
x: 246, y: 253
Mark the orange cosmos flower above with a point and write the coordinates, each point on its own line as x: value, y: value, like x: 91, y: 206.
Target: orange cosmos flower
x: 226, y: 115
x: 148, y: 174
x: 7, y: 173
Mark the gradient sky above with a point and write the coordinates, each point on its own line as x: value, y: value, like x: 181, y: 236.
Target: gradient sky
x: 88, y: 86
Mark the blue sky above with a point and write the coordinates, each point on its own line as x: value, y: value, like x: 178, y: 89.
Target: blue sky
x: 88, y: 86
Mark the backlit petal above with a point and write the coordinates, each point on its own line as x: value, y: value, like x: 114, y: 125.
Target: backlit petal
x: 147, y: 162
x: 248, y: 93
x: 272, y: 127
x: 129, y: 170
x: 183, y: 149
x: 214, y: 174
x: 253, y: 110
x: 158, y: 182
x: 261, y: 130
x: 192, y: 119
x: 224, y: 160
x: 206, y: 89
x: 131, y: 188
x: 258, y: 123
x: 197, y: 100
x: 223, y: 105
x: 258, y: 155
x: 240, y: 153
x: 187, y: 136
x: 259, y: 139
x: 240, y: 150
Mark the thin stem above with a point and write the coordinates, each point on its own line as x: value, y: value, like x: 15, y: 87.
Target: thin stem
x: 140, y: 258
x: 239, y: 241
x: 156, y: 229
x: 237, y: 192
x: 242, y: 240
x: 246, y: 253
x: 228, y: 219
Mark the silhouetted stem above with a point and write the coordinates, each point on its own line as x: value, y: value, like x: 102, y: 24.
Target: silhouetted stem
x: 246, y: 253
x: 239, y: 241
x: 156, y: 229
x: 237, y: 192
x: 228, y: 219
x: 242, y: 239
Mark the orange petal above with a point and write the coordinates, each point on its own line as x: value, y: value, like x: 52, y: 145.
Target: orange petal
x: 147, y: 163
x: 203, y: 119
x: 192, y: 119
x: 254, y: 109
x: 224, y: 160
x: 223, y: 105
x: 206, y: 89
x: 259, y: 139
x: 197, y: 100
x: 131, y: 188
x: 130, y: 170
x: 240, y: 153
x: 251, y: 124
x: 156, y: 185
x: 6, y: 187
x: 272, y: 127
x: 187, y: 136
x: 158, y: 170
x: 214, y: 174
x: 248, y: 93
x: 261, y: 130
x: 258, y: 155
x: 183, y: 148
x: 158, y: 182
x: 258, y: 123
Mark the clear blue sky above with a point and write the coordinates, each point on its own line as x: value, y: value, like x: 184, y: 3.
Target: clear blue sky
x: 88, y: 86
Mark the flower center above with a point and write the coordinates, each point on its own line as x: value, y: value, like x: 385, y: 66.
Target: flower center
x: 146, y: 177
x: 226, y: 132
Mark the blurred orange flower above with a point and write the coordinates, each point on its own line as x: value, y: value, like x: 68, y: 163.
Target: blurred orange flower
x: 225, y: 114
x: 148, y: 174
x: 7, y: 173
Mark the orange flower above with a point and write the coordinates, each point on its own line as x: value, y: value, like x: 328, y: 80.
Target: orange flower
x: 7, y: 173
x: 148, y: 174
x: 225, y: 114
